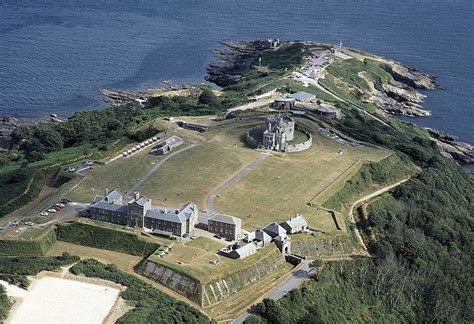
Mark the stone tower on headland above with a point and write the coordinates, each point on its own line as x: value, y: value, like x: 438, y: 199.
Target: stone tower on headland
x: 279, y: 130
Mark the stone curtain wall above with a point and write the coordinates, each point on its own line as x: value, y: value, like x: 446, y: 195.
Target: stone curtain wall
x: 252, y: 142
x: 301, y: 146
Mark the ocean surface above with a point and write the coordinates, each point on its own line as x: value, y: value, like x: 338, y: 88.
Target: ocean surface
x: 56, y: 55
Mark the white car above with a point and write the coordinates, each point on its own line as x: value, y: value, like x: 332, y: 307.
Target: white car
x: 52, y: 210
x: 44, y: 214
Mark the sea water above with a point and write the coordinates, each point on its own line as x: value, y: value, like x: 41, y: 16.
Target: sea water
x: 56, y: 55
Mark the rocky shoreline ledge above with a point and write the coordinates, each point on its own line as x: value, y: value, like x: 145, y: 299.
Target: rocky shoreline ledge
x: 461, y: 152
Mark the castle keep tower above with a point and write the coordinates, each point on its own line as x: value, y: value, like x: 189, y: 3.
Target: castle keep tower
x: 279, y: 130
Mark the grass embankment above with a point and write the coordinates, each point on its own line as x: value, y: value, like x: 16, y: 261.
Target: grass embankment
x: 35, y: 247
x: 19, y: 184
x: 151, y: 305
x: 322, y: 246
x: 371, y: 176
x: 105, y: 238
x: 25, y: 185
x: 187, y: 268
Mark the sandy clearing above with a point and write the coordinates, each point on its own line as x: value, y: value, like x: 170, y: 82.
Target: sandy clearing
x: 57, y: 300
x: 12, y: 290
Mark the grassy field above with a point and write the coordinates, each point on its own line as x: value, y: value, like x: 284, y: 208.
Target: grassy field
x: 122, y: 260
x: 192, y: 175
x: 194, y: 259
x: 122, y: 174
x: 283, y: 184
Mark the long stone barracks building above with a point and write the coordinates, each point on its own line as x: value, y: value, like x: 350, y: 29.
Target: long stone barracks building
x: 113, y: 207
x: 226, y: 226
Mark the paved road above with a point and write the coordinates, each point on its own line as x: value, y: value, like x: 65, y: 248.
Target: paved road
x: 252, y: 105
x: 232, y: 180
x: 154, y: 169
x: 293, y: 282
x: 68, y: 212
x: 316, y: 83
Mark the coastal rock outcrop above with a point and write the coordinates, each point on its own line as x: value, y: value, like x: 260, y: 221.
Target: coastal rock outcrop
x: 397, y: 98
x: 410, y: 76
x: 233, y: 60
x: 463, y: 153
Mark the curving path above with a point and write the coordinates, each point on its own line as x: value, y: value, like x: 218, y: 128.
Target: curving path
x: 304, y: 273
x: 363, y: 199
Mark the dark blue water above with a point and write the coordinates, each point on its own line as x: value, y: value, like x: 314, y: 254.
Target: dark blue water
x: 55, y: 55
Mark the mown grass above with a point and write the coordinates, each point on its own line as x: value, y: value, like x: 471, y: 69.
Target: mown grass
x: 283, y: 184
x: 105, y: 238
x: 122, y: 174
x: 195, y: 173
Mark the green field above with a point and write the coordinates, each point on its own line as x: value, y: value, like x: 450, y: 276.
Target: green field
x: 283, y: 184
x: 122, y: 174
x: 192, y: 175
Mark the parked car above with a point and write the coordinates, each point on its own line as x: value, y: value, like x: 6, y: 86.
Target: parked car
x: 65, y: 201
x: 60, y: 205
x: 51, y: 210
x: 44, y: 214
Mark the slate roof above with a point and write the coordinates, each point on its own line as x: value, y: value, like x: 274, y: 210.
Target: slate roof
x: 297, y: 221
x: 246, y: 249
x: 221, y: 218
x: 142, y: 201
x: 110, y: 207
x: 113, y: 196
x: 97, y: 199
x: 274, y: 229
x: 173, y: 215
x: 262, y: 236
x: 174, y: 141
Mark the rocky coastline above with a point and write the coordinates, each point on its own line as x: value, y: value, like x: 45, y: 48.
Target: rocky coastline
x: 462, y: 153
x: 234, y: 59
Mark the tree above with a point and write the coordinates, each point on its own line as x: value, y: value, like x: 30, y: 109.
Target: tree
x: 50, y: 138
x: 207, y: 97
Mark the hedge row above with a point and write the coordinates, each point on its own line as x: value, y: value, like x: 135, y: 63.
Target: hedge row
x: 105, y: 238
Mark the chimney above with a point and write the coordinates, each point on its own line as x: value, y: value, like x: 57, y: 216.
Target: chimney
x: 136, y: 195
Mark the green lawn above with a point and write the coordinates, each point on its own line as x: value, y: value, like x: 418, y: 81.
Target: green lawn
x: 122, y: 174
x: 193, y: 175
x: 283, y: 184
